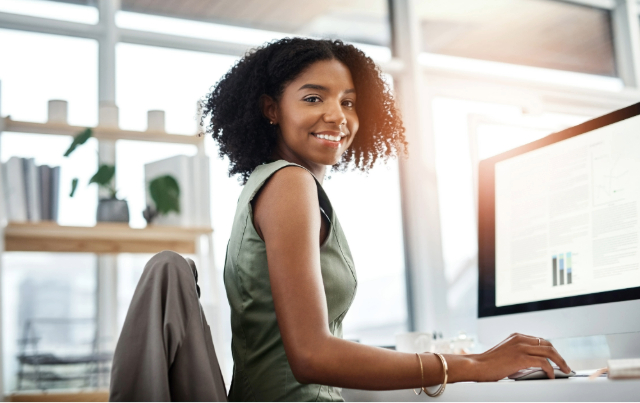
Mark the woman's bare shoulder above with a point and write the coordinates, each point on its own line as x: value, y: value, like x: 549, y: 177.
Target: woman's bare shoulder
x: 290, y: 193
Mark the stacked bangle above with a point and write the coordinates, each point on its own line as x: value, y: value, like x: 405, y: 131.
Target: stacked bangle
x: 421, y: 376
x: 445, y: 369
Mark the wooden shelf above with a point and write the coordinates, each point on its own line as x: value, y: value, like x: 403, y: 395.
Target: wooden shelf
x: 60, y: 396
x: 101, y: 133
x: 48, y: 236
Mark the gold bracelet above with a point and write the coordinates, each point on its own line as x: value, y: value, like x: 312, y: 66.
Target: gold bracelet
x: 445, y: 368
x: 421, y: 375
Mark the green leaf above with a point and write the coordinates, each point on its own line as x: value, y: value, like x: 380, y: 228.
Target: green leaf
x: 165, y: 193
x: 79, y: 139
x: 104, y: 175
x: 74, y: 185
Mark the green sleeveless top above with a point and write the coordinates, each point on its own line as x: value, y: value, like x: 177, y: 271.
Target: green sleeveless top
x: 261, y: 371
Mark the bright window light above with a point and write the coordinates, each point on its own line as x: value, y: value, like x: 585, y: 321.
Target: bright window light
x: 38, y: 286
x: 220, y: 32
x: 379, y: 309
x: 535, y: 74
x: 52, y: 10
x: 195, y: 29
x: 36, y: 68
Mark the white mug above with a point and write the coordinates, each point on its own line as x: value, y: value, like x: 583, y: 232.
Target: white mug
x: 414, y: 342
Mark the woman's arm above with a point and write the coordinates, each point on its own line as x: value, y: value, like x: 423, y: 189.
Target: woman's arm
x: 287, y: 215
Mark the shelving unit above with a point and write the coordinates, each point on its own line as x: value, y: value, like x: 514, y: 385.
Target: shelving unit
x: 102, y: 238
x: 100, y: 133
x: 108, y: 239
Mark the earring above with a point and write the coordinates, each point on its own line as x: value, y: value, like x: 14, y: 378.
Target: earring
x: 271, y: 122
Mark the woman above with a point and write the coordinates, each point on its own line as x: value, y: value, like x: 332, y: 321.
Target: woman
x: 281, y: 115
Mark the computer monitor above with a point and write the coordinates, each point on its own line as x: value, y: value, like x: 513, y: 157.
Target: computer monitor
x: 559, y: 233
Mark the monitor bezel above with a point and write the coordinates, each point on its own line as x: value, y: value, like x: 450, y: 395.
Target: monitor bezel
x: 486, y: 227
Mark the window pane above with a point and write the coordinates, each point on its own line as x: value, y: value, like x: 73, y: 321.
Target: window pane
x: 542, y: 33
x: 372, y: 221
x: 362, y: 21
x: 36, y: 68
x: 79, y: 12
x: 53, y: 294
x: 167, y: 79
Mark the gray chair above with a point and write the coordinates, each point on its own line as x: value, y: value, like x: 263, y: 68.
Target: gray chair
x: 165, y: 351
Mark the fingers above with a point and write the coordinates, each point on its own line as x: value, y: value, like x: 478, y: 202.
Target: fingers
x: 544, y: 364
x: 551, y: 353
x: 541, y: 347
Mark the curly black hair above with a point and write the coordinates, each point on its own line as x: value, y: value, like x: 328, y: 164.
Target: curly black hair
x: 244, y: 134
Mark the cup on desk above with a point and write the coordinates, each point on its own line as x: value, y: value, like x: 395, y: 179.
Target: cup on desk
x: 414, y: 342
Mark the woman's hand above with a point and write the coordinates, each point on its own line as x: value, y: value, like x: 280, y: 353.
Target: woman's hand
x: 518, y: 351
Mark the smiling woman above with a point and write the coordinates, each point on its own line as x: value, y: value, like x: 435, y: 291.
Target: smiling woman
x: 238, y: 104
x: 295, y: 103
x: 316, y: 116
x: 281, y: 115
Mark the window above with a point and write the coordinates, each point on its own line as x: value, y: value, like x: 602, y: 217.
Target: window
x: 48, y: 67
x: 368, y: 207
x: 55, y: 292
x: 541, y: 33
x: 359, y: 21
x: 52, y: 9
x: 32, y: 290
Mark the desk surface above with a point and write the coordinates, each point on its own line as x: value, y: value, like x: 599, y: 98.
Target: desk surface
x: 572, y: 389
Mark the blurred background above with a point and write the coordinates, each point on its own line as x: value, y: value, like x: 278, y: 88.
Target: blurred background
x: 473, y: 78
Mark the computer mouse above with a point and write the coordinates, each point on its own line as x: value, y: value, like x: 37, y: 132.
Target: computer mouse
x: 538, y: 373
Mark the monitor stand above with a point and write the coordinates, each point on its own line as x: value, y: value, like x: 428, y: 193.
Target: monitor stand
x: 624, y: 345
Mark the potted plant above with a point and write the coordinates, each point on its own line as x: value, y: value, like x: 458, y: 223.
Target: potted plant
x: 110, y: 209
x: 165, y: 193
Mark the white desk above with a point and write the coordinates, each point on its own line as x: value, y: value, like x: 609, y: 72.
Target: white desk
x: 573, y: 389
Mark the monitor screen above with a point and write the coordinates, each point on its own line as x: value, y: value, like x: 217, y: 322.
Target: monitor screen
x: 558, y: 219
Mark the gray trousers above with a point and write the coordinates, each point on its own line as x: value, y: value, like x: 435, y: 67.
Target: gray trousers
x: 165, y: 351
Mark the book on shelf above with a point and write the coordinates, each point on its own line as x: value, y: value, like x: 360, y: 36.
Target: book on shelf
x: 192, y: 175
x: 45, y: 191
x: 14, y: 189
x: 54, y: 202
x: 30, y: 191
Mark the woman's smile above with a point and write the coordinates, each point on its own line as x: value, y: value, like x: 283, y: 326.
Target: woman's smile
x: 330, y: 138
x: 316, y: 116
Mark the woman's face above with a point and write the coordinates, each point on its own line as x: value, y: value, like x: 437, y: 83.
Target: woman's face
x: 316, y: 115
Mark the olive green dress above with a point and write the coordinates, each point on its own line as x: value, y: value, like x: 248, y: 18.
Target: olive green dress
x: 261, y: 370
